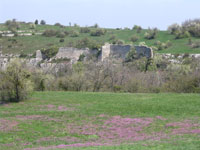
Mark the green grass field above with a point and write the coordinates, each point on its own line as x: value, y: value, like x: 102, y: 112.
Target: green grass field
x: 90, y: 121
x: 30, y: 44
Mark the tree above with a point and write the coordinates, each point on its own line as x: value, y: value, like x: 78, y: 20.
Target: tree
x: 16, y: 84
x: 42, y: 22
x: 36, y: 22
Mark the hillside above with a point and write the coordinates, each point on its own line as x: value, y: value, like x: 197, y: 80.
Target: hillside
x: 29, y: 44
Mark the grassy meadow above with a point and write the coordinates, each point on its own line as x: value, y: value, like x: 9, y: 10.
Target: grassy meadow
x: 29, y: 44
x: 71, y: 120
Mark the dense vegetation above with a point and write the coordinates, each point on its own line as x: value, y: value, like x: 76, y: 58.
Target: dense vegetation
x: 182, y: 39
x: 138, y: 76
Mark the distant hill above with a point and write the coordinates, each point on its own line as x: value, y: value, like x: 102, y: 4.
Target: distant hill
x: 69, y: 36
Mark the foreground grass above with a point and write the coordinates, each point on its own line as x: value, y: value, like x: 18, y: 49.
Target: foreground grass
x: 61, y: 120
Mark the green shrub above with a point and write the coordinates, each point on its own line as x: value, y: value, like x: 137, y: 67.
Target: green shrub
x: 12, y: 25
x: 85, y: 30
x: 183, y: 84
x: 98, y: 32
x: 15, y: 83
x: 151, y: 34
x: 118, y: 41
x: 192, y: 26
x: 96, y: 25
x: 112, y: 38
x: 195, y: 44
x: 49, y: 33
x: 61, y: 40
x: 74, y: 33
x: 161, y: 46
x: 60, y: 34
x: 88, y: 43
x: 131, y: 55
x: 58, y: 25
x: 50, y: 52
x: 32, y: 26
x: 137, y: 28
x: 134, y: 38
x: 172, y: 29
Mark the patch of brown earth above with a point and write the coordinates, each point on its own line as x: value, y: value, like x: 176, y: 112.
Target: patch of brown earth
x: 7, y: 125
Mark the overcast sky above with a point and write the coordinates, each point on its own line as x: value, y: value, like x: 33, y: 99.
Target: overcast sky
x: 107, y: 13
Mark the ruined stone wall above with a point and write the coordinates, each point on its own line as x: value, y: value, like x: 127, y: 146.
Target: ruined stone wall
x: 72, y: 53
x: 144, y: 51
x: 105, y: 53
x: 114, y: 51
x: 119, y: 51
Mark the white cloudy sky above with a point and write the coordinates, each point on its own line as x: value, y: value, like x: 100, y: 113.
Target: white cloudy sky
x: 107, y: 13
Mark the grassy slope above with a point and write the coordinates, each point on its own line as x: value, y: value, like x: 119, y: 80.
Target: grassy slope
x: 32, y: 43
x: 84, y: 107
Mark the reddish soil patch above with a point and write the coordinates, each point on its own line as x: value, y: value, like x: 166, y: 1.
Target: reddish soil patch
x: 55, y: 108
x: 7, y: 125
x: 36, y: 117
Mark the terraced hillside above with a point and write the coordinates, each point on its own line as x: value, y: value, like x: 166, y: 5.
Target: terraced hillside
x: 29, y: 44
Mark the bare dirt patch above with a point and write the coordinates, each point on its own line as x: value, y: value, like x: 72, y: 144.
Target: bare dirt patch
x: 36, y: 117
x: 7, y: 125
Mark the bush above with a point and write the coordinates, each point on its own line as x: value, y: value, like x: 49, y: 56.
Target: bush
x: 151, y: 34
x: 49, y: 33
x: 118, y: 41
x: 189, y: 41
x: 87, y: 43
x: 12, y: 25
x: 172, y: 29
x: 195, y: 44
x: 131, y: 55
x: 85, y: 30
x: 15, y: 83
x: 59, y: 25
x: 50, y: 52
x: 98, y: 32
x: 113, y: 37
x: 161, y: 46
x: 32, y: 26
x: 181, y: 34
x: 60, y: 34
x: 134, y: 38
x: 137, y: 28
x: 62, y: 40
x: 96, y: 25
x: 192, y: 26
x: 74, y: 33
x: 183, y: 84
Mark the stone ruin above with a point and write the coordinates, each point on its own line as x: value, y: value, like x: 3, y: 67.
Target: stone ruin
x: 110, y: 51
x: 71, y: 53
x: 144, y: 51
